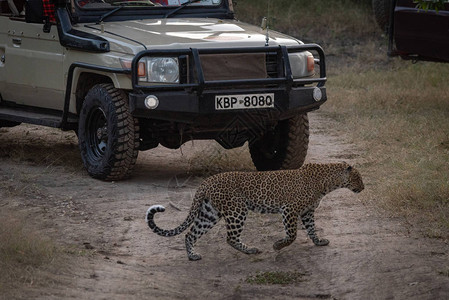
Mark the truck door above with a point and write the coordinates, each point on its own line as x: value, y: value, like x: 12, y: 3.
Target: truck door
x: 33, y: 61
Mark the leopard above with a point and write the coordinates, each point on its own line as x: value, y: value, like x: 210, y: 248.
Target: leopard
x: 295, y: 194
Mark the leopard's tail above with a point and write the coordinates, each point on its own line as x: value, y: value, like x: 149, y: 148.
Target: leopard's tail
x: 186, y: 224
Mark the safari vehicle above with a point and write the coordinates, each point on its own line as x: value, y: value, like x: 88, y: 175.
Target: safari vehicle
x: 127, y: 76
x: 414, y: 33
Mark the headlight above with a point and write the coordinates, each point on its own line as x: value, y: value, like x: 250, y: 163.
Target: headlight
x: 163, y: 69
x: 155, y: 69
x: 302, y: 64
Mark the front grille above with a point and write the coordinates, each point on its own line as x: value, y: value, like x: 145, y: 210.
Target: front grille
x: 238, y: 66
x: 272, y: 65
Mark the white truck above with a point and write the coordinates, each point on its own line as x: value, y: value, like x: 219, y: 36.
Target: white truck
x: 130, y: 75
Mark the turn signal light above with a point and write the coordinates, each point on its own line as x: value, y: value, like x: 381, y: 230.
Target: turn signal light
x: 310, y: 64
x: 126, y: 64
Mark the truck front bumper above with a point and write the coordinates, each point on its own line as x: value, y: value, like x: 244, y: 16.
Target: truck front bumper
x: 187, y: 107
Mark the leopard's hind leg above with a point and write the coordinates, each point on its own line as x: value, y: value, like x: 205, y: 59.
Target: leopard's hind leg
x: 235, y: 222
x: 206, y: 219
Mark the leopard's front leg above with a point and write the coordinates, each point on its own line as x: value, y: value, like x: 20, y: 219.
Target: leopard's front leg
x: 290, y: 221
x: 309, y: 222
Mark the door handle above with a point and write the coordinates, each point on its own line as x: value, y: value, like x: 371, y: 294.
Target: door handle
x: 17, y: 41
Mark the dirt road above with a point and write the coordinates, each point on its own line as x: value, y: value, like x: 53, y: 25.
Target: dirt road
x: 116, y: 256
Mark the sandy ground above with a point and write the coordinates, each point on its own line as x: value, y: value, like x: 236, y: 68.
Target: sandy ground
x: 370, y: 256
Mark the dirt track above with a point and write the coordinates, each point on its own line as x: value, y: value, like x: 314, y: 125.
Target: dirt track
x: 370, y: 256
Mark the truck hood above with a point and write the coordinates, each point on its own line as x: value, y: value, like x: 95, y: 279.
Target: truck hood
x: 131, y: 37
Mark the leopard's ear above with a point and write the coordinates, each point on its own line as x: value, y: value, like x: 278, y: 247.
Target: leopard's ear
x: 348, y: 168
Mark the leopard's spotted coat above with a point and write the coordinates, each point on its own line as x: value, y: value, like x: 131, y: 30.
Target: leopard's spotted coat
x: 293, y: 193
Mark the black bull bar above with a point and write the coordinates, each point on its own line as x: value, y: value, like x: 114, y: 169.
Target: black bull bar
x: 194, y: 95
x: 201, y: 83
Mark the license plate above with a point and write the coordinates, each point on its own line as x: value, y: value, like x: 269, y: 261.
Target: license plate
x: 244, y: 101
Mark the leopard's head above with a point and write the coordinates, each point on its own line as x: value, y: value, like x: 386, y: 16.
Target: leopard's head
x: 353, y: 180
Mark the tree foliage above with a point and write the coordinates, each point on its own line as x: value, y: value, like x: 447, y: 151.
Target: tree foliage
x: 430, y: 4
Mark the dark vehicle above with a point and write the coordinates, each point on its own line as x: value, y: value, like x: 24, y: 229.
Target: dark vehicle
x: 414, y: 33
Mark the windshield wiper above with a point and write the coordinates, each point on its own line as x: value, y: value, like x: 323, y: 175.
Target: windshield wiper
x: 123, y: 4
x: 110, y: 13
x: 180, y: 7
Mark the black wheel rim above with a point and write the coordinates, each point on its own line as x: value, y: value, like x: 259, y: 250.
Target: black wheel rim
x: 97, y: 134
x: 270, y: 146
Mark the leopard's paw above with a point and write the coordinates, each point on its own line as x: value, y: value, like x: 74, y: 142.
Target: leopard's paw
x: 321, y: 242
x: 278, y: 245
x: 194, y: 257
x: 253, y: 251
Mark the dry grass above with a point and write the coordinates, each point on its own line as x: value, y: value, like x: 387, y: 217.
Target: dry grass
x: 23, y: 254
x: 400, y: 114
x: 318, y: 21
x: 277, y: 277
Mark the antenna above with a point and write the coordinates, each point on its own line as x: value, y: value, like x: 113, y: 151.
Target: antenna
x: 267, y: 37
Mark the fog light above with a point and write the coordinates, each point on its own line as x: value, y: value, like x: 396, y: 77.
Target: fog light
x: 317, y: 94
x: 151, y: 102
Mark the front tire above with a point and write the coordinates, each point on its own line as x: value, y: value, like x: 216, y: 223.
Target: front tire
x: 284, y: 147
x: 107, y: 134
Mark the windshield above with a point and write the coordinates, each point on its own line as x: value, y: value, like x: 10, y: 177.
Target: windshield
x: 102, y: 4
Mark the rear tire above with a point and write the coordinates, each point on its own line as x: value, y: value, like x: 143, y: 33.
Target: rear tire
x: 108, y: 135
x: 382, y: 10
x: 285, y: 147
